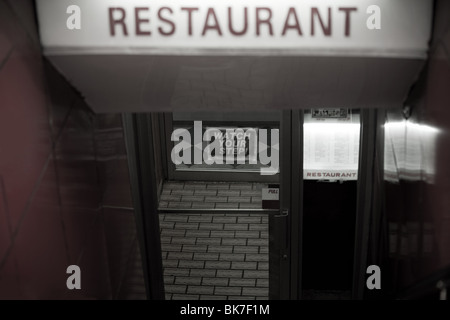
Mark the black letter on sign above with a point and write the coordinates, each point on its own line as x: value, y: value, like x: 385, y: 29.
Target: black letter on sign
x: 172, y: 30
x: 230, y: 23
x: 326, y: 30
x: 260, y: 21
x: 295, y: 26
x: 215, y: 26
x: 138, y: 22
x: 113, y: 22
x: 347, y: 12
x: 189, y: 10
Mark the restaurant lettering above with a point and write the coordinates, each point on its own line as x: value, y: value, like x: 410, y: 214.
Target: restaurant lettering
x: 362, y: 28
x: 260, y: 21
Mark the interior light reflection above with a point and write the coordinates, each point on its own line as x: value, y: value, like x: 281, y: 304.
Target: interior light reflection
x: 410, y: 151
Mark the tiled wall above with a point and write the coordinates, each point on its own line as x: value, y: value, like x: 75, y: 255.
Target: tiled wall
x: 64, y: 186
x: 211, y: 195
x: 215, y: 256
x: 418, y: 187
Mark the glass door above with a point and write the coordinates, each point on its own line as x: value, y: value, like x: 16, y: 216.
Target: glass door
x: 331, y: 139
x: 310, y: 219
x: 224, y: 233
x: 285, y: 224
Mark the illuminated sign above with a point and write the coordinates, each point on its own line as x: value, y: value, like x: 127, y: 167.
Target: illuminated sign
x: 399, y: 28
x: 331, y: 146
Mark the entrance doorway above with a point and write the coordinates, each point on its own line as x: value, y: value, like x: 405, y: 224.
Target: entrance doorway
x: 214, y: 222
x: 296, y: 241
x: 330, y: 172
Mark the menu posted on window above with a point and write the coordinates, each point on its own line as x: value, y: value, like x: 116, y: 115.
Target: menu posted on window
x: 331, y: 145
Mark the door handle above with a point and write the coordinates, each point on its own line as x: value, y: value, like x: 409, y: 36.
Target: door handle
x: 284, y: 213
x: 281, y: 229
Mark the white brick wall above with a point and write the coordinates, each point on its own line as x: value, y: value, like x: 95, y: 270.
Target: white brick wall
x: 215, y: 256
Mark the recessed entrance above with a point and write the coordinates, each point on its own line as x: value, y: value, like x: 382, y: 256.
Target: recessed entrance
x: 219, y: 239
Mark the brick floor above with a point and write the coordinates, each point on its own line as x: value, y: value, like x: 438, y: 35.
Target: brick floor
x: 215, y: 255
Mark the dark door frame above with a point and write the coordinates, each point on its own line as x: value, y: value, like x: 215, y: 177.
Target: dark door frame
x: 370, y: 143
x: 365, y: 200
x: 139, y: 144
x: 296, y: 203
x: 288, y: 237
x: 286, y: 226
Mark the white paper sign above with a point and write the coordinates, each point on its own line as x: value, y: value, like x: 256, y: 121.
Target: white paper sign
x: 270, y: 194
x: 331, y: 148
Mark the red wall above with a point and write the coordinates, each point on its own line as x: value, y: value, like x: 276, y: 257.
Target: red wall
x: 418, y: 208
x: 64, y: 186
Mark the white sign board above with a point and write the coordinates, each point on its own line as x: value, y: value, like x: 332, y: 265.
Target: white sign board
x: 394, y: 28
x: 331, y: 148
x: 270, y: 194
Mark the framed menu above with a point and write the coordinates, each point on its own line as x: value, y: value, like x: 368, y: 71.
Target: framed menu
x: 331, y: 144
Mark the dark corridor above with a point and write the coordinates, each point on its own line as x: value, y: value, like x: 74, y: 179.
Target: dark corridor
x: 328, y: 223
